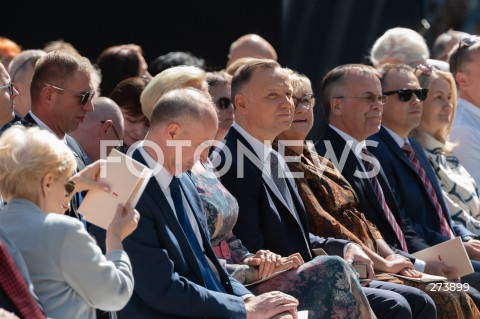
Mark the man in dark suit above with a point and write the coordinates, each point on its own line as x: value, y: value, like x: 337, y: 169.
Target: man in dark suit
x: 61, y: 93
x: 353, y: 107
x: 177, y: 274
x: 272, y: 215
x: 413, y: 181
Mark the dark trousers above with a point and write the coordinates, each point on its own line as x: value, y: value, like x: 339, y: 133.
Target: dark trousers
x: 395, y: 301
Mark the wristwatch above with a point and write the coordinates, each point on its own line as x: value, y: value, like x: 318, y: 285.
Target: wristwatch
x: 466, y: 238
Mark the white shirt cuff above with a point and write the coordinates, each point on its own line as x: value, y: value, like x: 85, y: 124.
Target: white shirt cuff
x: 419, y: 265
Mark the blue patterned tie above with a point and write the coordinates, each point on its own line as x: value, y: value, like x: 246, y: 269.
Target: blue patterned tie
x: 278, y: 180
x: 209, y: 277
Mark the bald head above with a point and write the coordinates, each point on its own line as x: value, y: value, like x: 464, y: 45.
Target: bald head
x: 253, y: 46
x: 104, y: 123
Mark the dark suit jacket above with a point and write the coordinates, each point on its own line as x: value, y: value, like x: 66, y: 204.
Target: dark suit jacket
x: 410, y: 193
x: 168, y: 282
x: 369, y: 204
x: 264, y: 221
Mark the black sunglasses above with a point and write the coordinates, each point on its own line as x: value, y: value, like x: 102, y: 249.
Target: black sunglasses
x: 462, y: 44
x: 8, y: 86
x: 405, y: 95
x: 69, y: 188
x: 223, y: 103
x: 85, y: 96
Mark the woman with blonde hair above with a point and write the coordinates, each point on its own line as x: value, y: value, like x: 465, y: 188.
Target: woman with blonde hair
x: 458, y: 186
x: 173, y: 78
x: 70, y: 274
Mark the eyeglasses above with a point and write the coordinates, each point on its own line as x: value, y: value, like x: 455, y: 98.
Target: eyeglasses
x: 69, y: 188
x: 462, y: 44
x: 33, y: 60
x: 85, y: 96
x: 367, y: 98
x: 425, y: 69
x: 306, y: 100
x: 114, y: 130
x: 8, y: 86
x: 405, y: 95
x: 223, y: 103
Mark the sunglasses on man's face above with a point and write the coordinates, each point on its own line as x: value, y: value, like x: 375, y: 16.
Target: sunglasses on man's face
x: 405, y: 95
x: 69, y: 188
x: 84, y: 96
x: 223, y: 103
x: 8, y: 86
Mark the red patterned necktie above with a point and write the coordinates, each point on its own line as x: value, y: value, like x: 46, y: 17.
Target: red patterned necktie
x: 15, y: 287
x: 381, y: 198
x: 444, y: 226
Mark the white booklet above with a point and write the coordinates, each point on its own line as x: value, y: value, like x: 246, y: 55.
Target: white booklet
x: 302, y: 314
x: 127, y: 179
x: 452, y: 253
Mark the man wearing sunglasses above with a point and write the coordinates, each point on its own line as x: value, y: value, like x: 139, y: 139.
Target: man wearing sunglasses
x: 464, y: 62
x: 413, y: 181
x: 61, y: 93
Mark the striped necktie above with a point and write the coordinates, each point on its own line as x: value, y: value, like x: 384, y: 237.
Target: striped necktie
x: 381, y: 198
x: 444, y: 225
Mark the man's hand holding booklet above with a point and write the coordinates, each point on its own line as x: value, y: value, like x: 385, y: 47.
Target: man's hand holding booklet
x: 127, y: 179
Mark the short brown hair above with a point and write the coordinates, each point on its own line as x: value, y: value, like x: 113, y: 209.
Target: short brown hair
x: 336, y: 76
x: 245, y: 71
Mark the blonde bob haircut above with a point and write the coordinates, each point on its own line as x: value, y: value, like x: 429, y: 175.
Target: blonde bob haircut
x: 26, y: 156
x: 426, y: 81
x: 172, y: 78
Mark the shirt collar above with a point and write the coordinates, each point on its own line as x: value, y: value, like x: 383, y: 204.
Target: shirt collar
x: 261, y: 149
x: 163, y: 177
x: 44, y: 126
x: 397, y: 138
x: 356, y: 146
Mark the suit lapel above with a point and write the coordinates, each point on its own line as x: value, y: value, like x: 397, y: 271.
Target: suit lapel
x: 396, y: 150
x: 238, y: 138
x: 267, y: 180
x: 352, y: 164
x: 431, y: 175
x: 158, y: 197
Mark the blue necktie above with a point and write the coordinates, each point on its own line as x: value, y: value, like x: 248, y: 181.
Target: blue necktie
x: 209, y: 277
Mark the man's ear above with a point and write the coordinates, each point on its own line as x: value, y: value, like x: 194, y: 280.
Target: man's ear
x: 172, y: 131
x: 47, y: 93
x: 335, y: 106
x: 47, y: 183
x: 240, y: 103
x: 104, y: 128
x: 461, y: 79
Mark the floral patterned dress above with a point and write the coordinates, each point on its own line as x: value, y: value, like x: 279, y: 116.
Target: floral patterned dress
x: 325, y: 286
x: 338, y: 217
